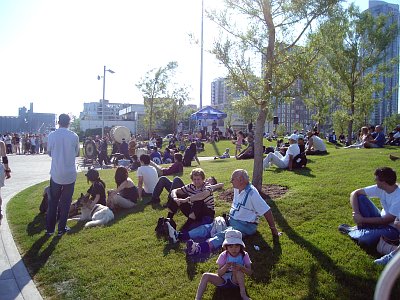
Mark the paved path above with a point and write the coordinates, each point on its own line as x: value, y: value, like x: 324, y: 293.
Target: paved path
x: 15, y: 281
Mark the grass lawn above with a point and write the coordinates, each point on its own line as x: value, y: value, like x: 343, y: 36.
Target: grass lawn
x: 126, y: 260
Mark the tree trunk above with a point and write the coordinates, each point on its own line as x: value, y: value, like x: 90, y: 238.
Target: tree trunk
x: 150, y: 118
x: 351, y: 121
x: 258, y: 150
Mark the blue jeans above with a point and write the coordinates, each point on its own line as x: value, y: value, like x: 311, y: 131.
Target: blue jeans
x: 368, y: 235
x: 204, y: 232
x: 60, y: 199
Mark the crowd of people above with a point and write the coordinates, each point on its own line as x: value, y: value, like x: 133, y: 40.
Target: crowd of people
x: 29, y: 143
x: 196, y: 201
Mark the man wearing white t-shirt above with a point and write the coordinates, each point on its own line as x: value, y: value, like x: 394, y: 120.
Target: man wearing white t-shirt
x: 315, y: 145
x: 372, y: 223
x: 147, y: 177
x: 63, y: 148
x: 283, y: 162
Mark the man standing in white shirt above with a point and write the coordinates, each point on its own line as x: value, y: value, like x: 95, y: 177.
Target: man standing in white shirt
x: 63, y: 147
x: 283, y: 162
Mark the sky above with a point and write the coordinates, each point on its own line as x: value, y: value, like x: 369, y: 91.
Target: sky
x: 51, y: 51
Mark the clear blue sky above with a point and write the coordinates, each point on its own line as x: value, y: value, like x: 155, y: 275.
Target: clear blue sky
x: 52, y: 51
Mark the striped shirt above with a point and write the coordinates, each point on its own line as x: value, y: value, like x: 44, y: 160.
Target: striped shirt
x: 190, y: 189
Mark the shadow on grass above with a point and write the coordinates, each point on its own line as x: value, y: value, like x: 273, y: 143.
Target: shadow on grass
x: 121, y: 213
x: 216, y: 150
x: 349, y: 283
x: 35, y: 258
x: 36, y: 225
x: 302, y: 171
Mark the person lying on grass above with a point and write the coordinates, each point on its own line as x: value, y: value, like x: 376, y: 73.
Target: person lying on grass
x: 233, y: 264
x: 372, y: 223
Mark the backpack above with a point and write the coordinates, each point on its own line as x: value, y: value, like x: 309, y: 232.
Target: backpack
x: 218, y: 226
x: 162, y: 228
x: 299, y: 161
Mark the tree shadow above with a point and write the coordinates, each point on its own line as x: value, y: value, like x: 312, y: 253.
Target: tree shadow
x: 266, y: 257
x: 350, y: 283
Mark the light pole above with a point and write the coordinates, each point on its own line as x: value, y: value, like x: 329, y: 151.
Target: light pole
x: 102, y: 102
x: 201, y: 55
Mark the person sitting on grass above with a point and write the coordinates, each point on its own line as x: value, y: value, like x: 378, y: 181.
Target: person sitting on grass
x: 126, y: 193
x: 224, y: 155
x: 175, y: 168
x: 247, y: 153
x: 315, y: 145
x: 379, y: 139
x: 168, y: 156
x: 195, y: 200
x: 233, y: 264
x: 246, y: 209
x: 97, y: 190
x: 190, y: 154
x: 372, y: 223
x: 147, y: 177
x: 155, y: 156
x: 283, y: 162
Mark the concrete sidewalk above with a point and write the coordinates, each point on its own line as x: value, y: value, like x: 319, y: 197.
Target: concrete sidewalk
x: 27, y: 170
x: 15, y: 281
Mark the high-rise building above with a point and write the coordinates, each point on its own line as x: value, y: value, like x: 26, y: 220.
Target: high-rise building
x: 388, y: 98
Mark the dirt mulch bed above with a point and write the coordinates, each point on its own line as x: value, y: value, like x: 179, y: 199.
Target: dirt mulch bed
x: 270, y: 191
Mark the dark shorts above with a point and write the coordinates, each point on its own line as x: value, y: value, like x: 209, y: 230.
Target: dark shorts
x: 228, y: 284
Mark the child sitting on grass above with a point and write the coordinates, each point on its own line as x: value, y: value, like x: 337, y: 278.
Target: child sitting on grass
x: 233, y: 263
x: 224, y: 155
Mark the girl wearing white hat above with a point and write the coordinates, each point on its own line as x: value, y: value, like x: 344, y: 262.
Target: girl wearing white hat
x: 233, y: 263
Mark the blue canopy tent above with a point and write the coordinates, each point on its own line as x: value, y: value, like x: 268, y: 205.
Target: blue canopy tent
x: 208, y: 113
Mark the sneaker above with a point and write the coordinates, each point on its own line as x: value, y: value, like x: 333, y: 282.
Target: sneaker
x: 192, y: 248
x: 384, y: 259
x: 172, y: 233
x: 66, y: 229
x: 345, y: 229
x: 49, y: 233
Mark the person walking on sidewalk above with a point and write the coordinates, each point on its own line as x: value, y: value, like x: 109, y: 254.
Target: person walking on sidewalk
x: 63, y: 147
x: 5, y: 171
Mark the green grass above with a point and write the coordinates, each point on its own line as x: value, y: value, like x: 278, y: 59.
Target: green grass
x: 125, y: 260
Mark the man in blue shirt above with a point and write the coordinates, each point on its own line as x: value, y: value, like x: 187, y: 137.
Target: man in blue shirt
x: 63, y: 147
x: 379, y: 139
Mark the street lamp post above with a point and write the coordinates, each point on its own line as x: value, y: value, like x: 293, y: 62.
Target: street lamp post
x: 102, y: 101
x: 201, y: 55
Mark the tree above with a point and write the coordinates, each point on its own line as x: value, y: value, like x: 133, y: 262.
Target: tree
x: 391, y: 122
x: 154, y: 87
x: 172, y: 108
x: 340, y: 120
x: 267, y: 33
x: 353, y: 44
x: 245, y: 108
x: 318, y: 90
